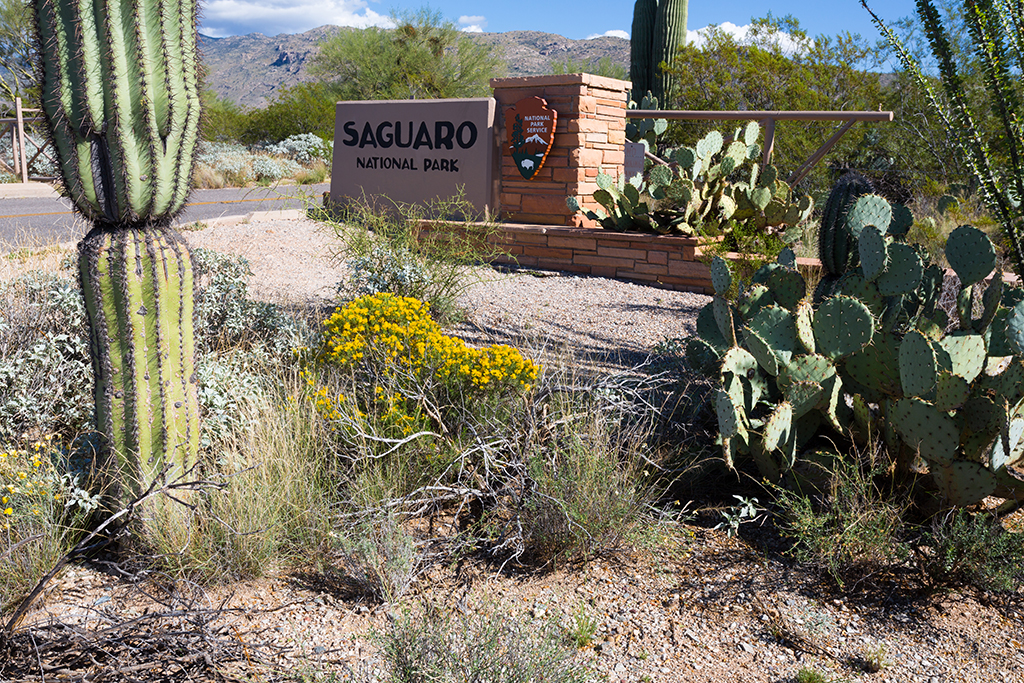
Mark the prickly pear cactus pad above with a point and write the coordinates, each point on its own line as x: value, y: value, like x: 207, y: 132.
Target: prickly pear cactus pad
x: 917, y: 364
x: 721, y: 278
x: 932, y: 432
x: 842, y: 326
x: 121, y: 96
x: 963, y: 483
x: 970, y: 253
x: 903, y: 273
x: 1015, y: 329
x: 874, y: 256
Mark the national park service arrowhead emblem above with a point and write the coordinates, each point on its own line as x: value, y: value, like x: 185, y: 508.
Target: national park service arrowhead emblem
x: 531, y: 130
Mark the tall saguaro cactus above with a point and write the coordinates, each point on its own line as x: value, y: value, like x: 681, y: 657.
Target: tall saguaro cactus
x: 659, y: 28
x: 641, y: 45
x: 120, y: 94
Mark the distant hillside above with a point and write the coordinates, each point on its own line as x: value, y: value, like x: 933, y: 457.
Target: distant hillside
x: 250, y: 69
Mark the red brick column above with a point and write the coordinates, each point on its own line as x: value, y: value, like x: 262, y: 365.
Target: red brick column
x: 589, y: 137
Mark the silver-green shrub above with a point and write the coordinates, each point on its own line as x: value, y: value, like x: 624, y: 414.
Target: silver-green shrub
x: 304, y: 148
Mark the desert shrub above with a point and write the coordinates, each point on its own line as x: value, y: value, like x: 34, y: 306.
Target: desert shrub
x: 45, y: 368
x: 388, y: 248
x: 227, y: 317
x: 220, y: 164
x: 849, y: 530
x: 231, y: 162
x: 390, y: 342
x: 962, y: 548
x: 525, y: 464
x: 380, y: 557
x: 269, y: 169
x: 44, y: 505
x: 41, y: 166
x: 386, y: 269
x: 439, y: 644
x: 304, y: 148
x: 316, y: 173
x: 586, y: 493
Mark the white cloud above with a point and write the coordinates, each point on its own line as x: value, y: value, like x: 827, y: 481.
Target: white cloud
x: 742, y: 34
x: 271, y: 17
x: 472, y: 24
x: 614, y: 33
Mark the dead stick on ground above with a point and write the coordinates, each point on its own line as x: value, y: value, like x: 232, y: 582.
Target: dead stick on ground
x: 84, y: 545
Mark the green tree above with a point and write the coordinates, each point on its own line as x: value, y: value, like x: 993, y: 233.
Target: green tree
x: 303, y: 108
x: 223, y: 120
x: 599, y: 67
x: 423, y: 57
x: 17, y: 55
x: 766, y: 72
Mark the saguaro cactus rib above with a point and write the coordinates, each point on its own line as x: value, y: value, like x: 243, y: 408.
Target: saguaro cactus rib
x: 138, y: 287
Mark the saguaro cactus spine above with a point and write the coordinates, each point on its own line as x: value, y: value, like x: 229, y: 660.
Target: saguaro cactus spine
x: 121, y: 98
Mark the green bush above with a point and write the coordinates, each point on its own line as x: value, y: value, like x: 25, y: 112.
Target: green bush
x: 301, y: 109
x: 441, y: 645
x: 849, y: 531
x: 223, y: 120
x: 962, y: 548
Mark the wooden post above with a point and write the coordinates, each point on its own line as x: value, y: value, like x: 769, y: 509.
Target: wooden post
x: 20, y: 148
x: 769, y: 141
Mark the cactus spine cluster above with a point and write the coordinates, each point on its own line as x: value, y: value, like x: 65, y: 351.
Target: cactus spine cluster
x: 120, y: 94
x: 873, y: 358
x: 659, y: 28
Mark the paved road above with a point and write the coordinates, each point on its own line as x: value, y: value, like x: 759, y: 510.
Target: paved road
x: 42, y: 220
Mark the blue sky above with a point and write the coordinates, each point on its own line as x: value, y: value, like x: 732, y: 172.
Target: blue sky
x: 573, y: 19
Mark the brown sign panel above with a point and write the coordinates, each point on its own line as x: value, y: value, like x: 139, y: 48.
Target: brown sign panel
x: 531, y: 131
x: 415, y: 151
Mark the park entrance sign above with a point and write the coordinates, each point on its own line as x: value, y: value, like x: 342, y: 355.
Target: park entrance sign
x: 415, y: 151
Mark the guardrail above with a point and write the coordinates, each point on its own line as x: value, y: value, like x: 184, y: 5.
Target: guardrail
x: 767, y: 119
x: 16, y: 128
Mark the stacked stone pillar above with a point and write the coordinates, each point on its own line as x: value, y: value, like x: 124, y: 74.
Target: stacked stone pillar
x: 590, y: 135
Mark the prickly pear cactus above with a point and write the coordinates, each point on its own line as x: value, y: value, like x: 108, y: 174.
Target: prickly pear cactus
x: 874, y: 358
x: 119, y: 86
x: 697, y: 194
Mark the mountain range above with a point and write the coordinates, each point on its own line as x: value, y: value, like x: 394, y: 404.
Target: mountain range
x: 250, y: 69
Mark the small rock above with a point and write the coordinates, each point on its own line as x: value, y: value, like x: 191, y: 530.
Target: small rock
x: 747, y: 647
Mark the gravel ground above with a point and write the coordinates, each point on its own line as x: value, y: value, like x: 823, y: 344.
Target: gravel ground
x: 607, y: 322
x: 698, y: 607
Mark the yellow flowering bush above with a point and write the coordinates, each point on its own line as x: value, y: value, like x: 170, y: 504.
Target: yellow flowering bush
x: 27, y: 485
x: 400, y: 330
x: 395, y: 350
